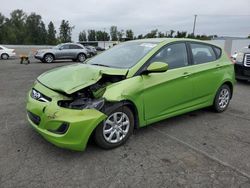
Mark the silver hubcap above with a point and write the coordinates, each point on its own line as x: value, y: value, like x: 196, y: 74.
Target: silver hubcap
x: 81, y: 57
x: 48, y: 58
x: 224, y: 98
x: 4, y: 56
x: 116, y: 127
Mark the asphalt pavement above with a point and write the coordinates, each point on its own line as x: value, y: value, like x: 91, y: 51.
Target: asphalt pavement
x: 198, y: 149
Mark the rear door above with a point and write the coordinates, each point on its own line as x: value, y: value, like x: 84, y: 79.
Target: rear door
x: 74, y: 50
x: 207, y: 70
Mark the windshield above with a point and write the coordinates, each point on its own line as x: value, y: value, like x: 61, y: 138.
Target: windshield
x: 58, y: 46
x: 124, y: 55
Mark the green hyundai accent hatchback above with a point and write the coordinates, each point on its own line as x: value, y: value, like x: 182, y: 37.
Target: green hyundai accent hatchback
x: 129, y: 86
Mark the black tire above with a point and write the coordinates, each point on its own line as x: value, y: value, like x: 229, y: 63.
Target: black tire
x: 48, y: 58
x: 220, y: 106
x: 81, y: 57
x: 4, y: 56
x: 99, y: 131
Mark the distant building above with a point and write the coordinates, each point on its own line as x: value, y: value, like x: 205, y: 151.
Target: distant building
x: 231, y: 44
x: 102, y: 44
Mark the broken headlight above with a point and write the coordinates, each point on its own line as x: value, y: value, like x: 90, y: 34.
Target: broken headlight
x: 83, y: 103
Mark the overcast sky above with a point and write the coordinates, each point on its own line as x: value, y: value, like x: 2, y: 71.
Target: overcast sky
x: 221, y: 17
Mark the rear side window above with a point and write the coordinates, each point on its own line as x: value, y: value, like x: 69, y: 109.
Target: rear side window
x: 72, y: 46
x: 175, y: 55
x: 217, y: 51
x: 202, y: 53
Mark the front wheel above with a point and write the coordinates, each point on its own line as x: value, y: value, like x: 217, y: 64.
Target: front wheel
x: 116, y: 129
x: 48, y: 58
x: 222, y: 98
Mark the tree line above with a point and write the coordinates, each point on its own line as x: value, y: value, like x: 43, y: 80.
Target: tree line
x: 21, y: 28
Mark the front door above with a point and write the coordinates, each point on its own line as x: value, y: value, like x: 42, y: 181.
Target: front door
x: 63, y: 52
x: 170, y: 91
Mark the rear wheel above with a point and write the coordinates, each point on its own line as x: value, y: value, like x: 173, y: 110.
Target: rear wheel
x: 4, y: 56
x: 222, y: 98
x: 48, y: 58
x: 81, y: 57
x: 116, y: 129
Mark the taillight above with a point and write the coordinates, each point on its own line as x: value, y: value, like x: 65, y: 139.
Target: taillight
x: 231, y: 58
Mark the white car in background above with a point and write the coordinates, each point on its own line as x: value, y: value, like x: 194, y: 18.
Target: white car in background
x: 6, y: 53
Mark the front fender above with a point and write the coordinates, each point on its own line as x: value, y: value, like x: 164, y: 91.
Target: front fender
x: 130, y: 89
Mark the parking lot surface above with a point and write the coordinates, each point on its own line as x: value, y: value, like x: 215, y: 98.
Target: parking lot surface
x: 198, y: 149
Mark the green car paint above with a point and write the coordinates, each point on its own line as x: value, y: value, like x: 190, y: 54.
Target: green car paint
x: 155, y: 95
x: 157, y: 67
x: 69, y: 79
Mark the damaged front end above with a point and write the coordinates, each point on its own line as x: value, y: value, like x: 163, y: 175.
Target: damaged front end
x: 69, y: 118
x: 90, y: 97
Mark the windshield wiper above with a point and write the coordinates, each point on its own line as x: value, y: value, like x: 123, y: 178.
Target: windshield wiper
x: 100, y: 65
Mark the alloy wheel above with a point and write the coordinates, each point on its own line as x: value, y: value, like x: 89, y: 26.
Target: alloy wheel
x: 116, y: 127
x: 49, y: 58
x: 224, y: 98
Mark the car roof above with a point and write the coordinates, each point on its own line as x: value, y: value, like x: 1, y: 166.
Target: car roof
x: 70, y: 43
x: 167, y: 40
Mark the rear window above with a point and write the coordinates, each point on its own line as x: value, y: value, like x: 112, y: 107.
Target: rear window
x: 72, y: 46
x: 202, y: 53
x: 218, y: 52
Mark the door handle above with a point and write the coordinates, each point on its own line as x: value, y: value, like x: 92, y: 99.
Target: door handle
x: 218, y: 66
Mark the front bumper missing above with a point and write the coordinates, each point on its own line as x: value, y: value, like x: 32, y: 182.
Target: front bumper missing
x: 48, y: 119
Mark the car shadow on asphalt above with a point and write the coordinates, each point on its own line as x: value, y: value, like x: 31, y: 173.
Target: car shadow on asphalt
x: 243, y: 82
x: 141, y: 132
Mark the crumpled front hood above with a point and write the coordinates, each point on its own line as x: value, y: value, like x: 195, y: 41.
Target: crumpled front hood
x: 69, y: 79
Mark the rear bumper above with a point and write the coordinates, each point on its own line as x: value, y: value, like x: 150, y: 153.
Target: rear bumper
x: 88, y: 55
x: 13, y: 54
x: 242, y: 72
x: 65, y: 128
x: 93, y: 53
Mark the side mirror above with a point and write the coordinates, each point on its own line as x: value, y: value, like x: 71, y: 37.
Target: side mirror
x: 157, y: 67
x: 60, y: 48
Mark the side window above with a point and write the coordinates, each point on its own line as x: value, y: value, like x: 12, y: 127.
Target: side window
x: 175, y: 55
x: 72, y: 46
x: 202, y: 53
x: 1, y: 48
x: 65, y: 47
x: 217, y: 51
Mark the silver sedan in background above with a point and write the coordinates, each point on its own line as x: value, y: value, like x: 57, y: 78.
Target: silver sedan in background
x: 6, y: 53
x: 76, y: 52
